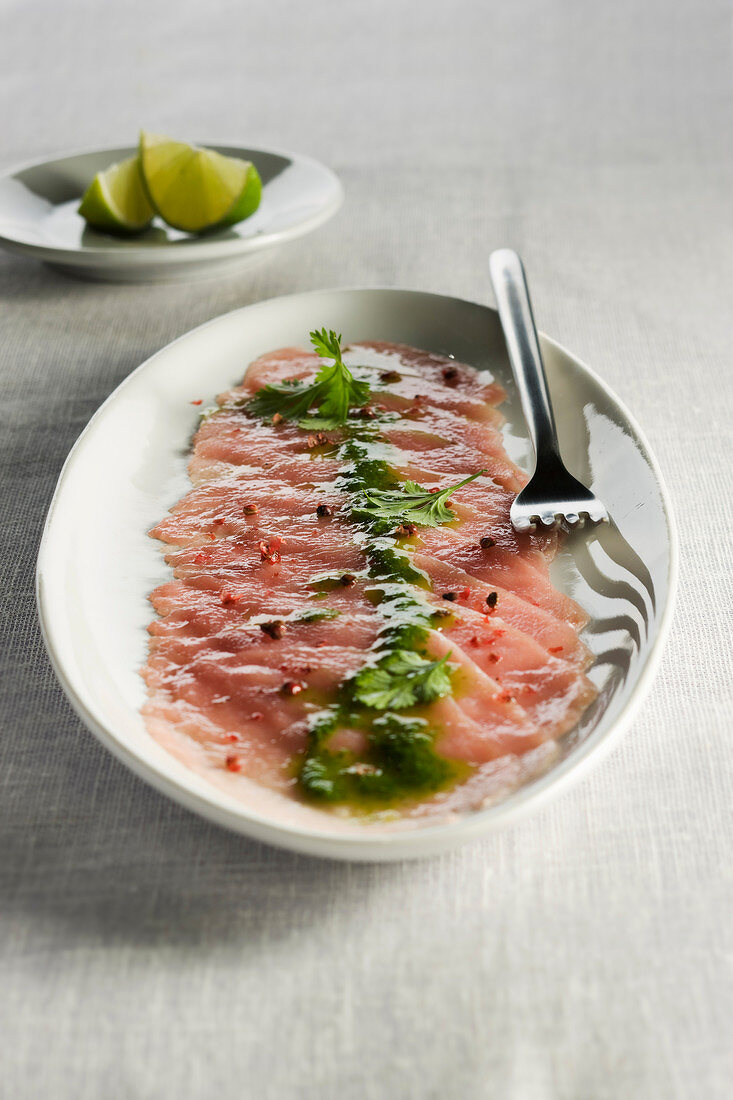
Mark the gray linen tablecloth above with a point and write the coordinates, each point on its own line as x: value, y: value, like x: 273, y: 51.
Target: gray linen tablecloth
x: 585, y: 953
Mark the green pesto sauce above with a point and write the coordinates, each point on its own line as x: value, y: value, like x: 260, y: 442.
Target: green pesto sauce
x: 400, y: 762
x: 388, y: 563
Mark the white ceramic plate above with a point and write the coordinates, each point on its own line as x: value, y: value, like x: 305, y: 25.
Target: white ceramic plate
x: 97, y: 564
x: 38, y: 218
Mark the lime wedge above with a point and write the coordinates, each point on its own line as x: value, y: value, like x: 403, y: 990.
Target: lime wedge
x: 116, y: 201
x: 197, y: 189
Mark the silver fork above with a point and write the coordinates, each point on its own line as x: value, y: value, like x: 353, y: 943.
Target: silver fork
x: 552, y: 494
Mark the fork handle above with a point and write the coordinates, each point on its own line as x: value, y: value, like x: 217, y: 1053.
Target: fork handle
x: 515, y: 312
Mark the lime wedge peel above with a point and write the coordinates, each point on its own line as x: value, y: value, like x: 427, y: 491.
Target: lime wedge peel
x: 196, y: 189
x: 116, y: 201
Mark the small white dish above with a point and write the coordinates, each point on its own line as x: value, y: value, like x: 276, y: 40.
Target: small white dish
x: 97, y: 564
x: 38, y: 218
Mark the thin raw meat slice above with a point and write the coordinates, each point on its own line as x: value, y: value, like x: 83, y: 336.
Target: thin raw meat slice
x: 234, y: 670
x: 231, y: 438
x: 448, y: 383
x: 239, y: 504
x: 499, y: 567
x: 547, y: 687
x: 555, y: 635
x: 476, y: 735
x: 275, y: 367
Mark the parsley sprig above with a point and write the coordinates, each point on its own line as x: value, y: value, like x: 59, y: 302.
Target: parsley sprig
x: 402, y: 679
x: 333, y: 391
x: 411, y: 503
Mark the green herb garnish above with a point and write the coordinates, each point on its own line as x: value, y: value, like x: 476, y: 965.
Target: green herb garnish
x: 402, y: 679
x: 411, y: 503
x: 401, y: 763
x: 316, y: 616
x: 399, y: 758
x: 333, y: 391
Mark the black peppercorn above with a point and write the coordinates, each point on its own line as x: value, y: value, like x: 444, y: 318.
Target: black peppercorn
x: 274, y: 629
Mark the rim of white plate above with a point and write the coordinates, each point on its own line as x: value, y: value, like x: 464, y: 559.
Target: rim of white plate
x: 425, y: 840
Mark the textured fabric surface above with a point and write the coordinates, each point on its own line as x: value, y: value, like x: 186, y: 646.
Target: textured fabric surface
x: 584, y: 954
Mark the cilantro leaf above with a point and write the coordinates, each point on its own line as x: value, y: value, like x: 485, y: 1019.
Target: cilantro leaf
x: 290, y: 399
x: 333, y: 391
x: 411, y: 503
x: 402, y: 679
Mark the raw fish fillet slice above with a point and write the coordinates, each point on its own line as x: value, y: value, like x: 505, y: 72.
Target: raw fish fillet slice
x: 425, y: 458
x: 207, y: 653
x: 553, y: 633
x: 286, y: 454
x: 526, y: 578
x: 548, y: 688
x: 274, y: 367
x: 217, y: 508
x: 303, y: 646
x: 445, y: 402
x: 442, y: 410
x: 468, y: 391
x: 210, y: 514
x: 195, y: 621
x: 263, y: 752
x: 476, y: 735
x: 240, y: 565
x: 450, y: 442
x: 484, y: 512
x: 235, y: 593
x: 246, y: 546
x: 499, y: 722
x: 232, y: 438
x: 217, y: 673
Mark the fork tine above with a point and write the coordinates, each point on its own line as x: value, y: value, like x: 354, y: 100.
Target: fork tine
x: 527, y: 513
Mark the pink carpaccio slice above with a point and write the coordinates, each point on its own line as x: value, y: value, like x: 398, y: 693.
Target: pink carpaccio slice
x: 269, y: 607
